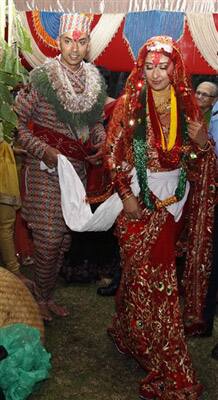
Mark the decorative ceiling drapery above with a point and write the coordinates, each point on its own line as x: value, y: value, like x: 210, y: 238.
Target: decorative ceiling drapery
x: 35, y: 58
x: 101, y: 36
x: 203, y: 27
x: 116, y: 38
x: 140, y: 26
x: 103, y: 33
x: 118, y: 6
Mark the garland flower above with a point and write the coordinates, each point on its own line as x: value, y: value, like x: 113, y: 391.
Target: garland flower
x: 75, y: 109
x: 141, y: 159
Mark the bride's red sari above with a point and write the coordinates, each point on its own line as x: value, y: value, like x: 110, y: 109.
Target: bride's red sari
x: 148, y: 323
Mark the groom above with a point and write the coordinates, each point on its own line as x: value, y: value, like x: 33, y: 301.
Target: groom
x: 59, y: 112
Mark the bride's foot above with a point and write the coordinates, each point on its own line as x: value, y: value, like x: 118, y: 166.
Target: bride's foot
x: 57, y: 309
x: 44, y: 311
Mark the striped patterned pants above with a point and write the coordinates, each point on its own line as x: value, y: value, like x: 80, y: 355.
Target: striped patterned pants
x: 51, y: 237
x: 49, y: 248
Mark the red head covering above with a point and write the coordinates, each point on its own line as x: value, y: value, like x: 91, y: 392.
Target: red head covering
x: 179, y: 77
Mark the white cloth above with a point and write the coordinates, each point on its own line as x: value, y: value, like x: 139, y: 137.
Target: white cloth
x: 77, y: 212
x: 44, y: 167
x: 163, y: 185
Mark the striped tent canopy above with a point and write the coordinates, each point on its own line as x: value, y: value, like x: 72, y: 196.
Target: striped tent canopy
x: 116, y: 38
x: 119, y: 6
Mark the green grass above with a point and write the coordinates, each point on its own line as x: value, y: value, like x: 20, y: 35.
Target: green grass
x: 85, y: 364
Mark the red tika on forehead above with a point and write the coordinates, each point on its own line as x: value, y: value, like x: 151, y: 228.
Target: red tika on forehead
x: 155, y: 57
x: 76, y: 35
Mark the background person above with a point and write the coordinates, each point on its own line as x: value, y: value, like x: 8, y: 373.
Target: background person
x: 206, y: 94
x: 9, y: 203
x: 195, y: 288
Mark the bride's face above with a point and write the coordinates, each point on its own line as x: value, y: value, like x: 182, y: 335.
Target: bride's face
x: 157, y: 69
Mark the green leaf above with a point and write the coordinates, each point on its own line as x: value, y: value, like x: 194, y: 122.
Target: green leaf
x: 11, y: 74
x: 8, y: 79
x: 7, y: 61
x: 24, y: 42
x: 7, y: 114
x: 15, y: 66
x: 5, y: 94
x: 8, y: 131
x: 1, y: 132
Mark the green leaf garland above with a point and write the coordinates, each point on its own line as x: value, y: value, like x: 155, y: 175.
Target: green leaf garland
x: 141, y: 155
x: 41, y: 82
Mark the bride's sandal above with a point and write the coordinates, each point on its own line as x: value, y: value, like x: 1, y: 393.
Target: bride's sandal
x: 57, y: 309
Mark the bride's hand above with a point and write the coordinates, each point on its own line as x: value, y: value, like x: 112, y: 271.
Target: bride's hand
x: 198, y: 133
x: 131, y: 208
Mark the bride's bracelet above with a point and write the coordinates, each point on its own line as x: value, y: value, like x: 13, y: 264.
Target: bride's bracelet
x: 206, y: 147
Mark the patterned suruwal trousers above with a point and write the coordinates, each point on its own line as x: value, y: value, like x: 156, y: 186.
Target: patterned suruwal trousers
x: 51, y: 236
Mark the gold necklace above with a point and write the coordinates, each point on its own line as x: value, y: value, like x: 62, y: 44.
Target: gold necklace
x: 162, y: 100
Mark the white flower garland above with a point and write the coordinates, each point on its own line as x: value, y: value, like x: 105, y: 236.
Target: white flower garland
x: 69, y: 99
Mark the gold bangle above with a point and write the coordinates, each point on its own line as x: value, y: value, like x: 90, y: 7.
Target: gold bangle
x: 167, y: 202
x: 206, y: 147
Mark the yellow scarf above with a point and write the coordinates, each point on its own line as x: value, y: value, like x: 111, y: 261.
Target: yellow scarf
x: 173, y: 123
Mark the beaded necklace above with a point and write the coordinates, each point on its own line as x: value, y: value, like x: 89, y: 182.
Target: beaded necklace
x: 140, y: 149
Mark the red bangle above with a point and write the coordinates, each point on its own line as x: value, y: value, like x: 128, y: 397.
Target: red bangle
x: 122, y: 183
